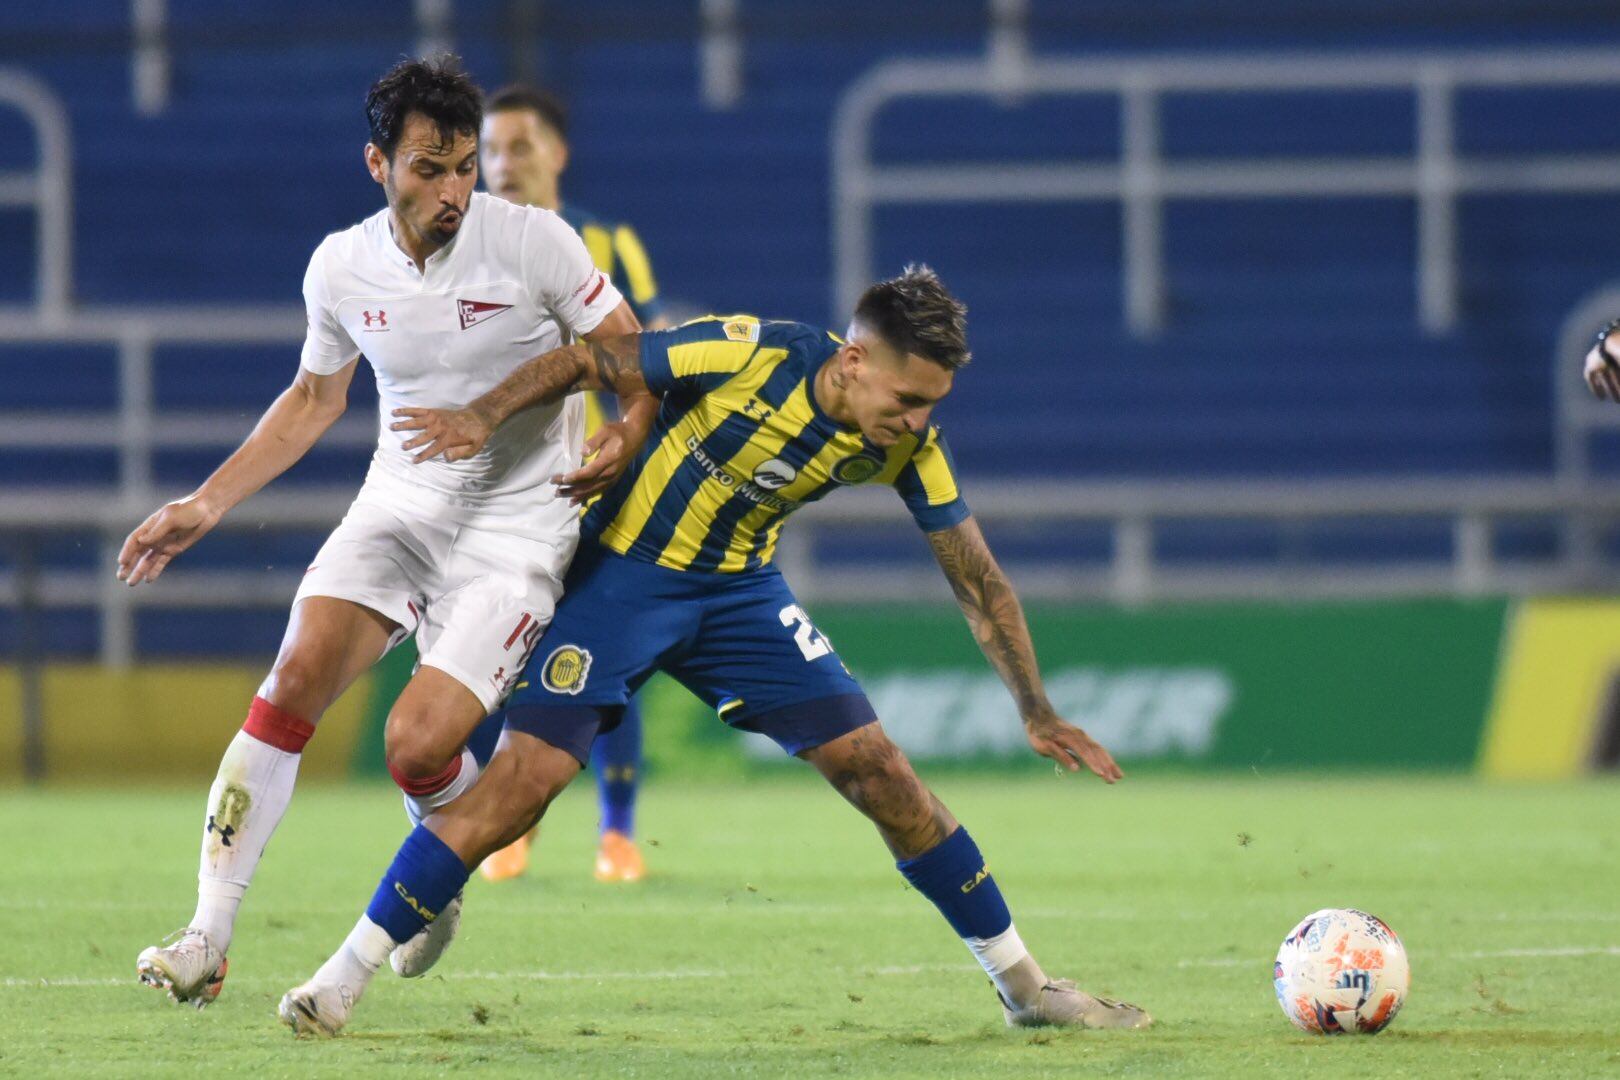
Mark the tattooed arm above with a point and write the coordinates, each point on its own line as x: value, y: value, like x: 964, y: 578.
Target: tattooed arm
x: 612, y: 364
x: 997, y: 619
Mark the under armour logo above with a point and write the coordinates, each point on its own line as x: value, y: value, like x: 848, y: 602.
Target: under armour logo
x: 380, y: 318
x: 756, y: 409
x: 224, y: 834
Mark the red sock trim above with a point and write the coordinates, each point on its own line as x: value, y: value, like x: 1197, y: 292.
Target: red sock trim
x: 430, y: 785
x: 277, y: 727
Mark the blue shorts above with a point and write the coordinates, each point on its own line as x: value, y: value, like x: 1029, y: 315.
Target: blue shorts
x: 740, y: 642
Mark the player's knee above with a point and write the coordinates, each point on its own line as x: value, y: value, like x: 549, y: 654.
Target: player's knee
x: 867, y: 768
x: 414, y: 748
x: 300, y: 684
x: 883, y: 765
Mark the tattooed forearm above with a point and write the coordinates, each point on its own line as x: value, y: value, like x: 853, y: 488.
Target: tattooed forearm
x: 607, y: 362
x: 610, y: 364
x: 993, y: 611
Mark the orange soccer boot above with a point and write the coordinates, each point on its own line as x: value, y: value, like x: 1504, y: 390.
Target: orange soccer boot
x: 509, y: 862
x: 619, y: 859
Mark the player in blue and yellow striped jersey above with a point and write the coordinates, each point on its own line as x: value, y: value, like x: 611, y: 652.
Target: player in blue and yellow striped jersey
x: 523, y: 150
x: 674, y: 574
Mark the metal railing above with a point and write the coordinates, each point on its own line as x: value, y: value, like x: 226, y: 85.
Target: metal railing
x: 136, y: 430
x: 1143, y: 179
x: 47, y: 189
x: 1135, y: 515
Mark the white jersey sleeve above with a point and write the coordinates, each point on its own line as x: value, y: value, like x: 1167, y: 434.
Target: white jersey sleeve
x: 327, y: 346
x: 562, y: 276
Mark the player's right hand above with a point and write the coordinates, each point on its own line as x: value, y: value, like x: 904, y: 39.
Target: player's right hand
x: 1053, y: 737
x: 173, y: 529
x: 458, y: 434
x: 1603, y: 374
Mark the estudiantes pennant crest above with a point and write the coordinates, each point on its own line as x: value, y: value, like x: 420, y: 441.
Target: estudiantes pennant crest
x: 473, y: 312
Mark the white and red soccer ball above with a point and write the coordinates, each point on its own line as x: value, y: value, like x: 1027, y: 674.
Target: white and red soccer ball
x: 1341, y: 972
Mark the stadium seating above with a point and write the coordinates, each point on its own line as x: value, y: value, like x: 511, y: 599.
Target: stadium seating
x: 1293, y: 348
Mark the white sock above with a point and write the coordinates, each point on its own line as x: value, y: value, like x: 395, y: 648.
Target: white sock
x: 418, y: 807
x: 246, y: 803
x: 1009, y: 965
x: 358, y: 958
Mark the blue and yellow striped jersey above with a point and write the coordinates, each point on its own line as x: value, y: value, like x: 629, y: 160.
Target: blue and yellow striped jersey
x: 741, y: 442
x: 617, y: 252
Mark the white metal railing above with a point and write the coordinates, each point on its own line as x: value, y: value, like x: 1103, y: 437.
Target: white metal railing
x: 1134, y: 570
x: 136, y: 429
x: 1143, y: 178
x: 47, y: 189
x: 1577, y: 414
x: 150, y: 65
x: 1134, y: 513
x: 1132, y: 573
x: 151, y: 61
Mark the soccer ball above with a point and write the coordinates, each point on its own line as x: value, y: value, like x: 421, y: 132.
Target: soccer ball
x: 1341, y: 972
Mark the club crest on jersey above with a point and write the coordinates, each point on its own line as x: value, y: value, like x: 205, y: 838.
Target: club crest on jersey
x: 565, y: 669
x: 473, y: 312
x: 856, y: 470
x: 741, y: 330
x: 775, y: 474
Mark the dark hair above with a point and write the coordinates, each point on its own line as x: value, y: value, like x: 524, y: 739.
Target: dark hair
x: 437, y: 88
x: 543, y: 103
x: 916, y: 313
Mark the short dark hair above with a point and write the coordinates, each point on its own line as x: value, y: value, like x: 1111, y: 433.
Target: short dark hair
x: 543, y: 103
x: 437, y: 88
x: 916, y: 313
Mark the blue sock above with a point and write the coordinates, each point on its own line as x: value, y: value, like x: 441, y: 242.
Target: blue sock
x: 485, y: 736
x: 425, y: 876
x: 616, y: 757
x: 953, y: 875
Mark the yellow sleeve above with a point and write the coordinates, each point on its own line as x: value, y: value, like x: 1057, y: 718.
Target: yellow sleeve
x: 928, y: 486
x: 638, y: 272
x: 698, y: 355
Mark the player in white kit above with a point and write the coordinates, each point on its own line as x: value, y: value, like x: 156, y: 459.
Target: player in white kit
x: 444, y: 292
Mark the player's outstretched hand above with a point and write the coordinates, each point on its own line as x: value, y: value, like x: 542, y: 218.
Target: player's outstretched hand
x: 458, y: 434
x: 1070, y: 747
x: 173, y: 529
x: 1603, y: 374
x: 614, y: 447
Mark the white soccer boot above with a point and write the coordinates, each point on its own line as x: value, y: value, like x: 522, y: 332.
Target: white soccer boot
x: 1062, y: 1003
x: 319, y: 1008
x: 417, y: 955
x: 187, y: 965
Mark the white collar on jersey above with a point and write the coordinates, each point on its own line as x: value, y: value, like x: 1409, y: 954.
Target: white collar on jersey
x: 387, y: 237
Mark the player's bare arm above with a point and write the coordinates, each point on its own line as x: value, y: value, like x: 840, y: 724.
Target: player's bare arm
x: 612, y: 364
x: 609, y: 451
x: 997, y: 619
x: 293, y: 423
x: 1603, y: 364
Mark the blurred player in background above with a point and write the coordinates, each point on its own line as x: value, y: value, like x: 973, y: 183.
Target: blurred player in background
x: 757, y: 420
x: 523, y: 153
x: 445, y: 291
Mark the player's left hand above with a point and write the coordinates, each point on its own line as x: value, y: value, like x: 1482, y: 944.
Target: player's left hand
x: 458, y: 434
x: 1053, y: 737
x: 608, y: 453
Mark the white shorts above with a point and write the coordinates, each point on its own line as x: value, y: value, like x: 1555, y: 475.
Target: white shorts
x: 477, y: 599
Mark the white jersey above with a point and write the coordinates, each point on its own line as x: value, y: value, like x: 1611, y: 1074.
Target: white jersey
x: 513, y: 283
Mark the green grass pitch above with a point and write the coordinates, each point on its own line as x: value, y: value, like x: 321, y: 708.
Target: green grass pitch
x: 776, y: 939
